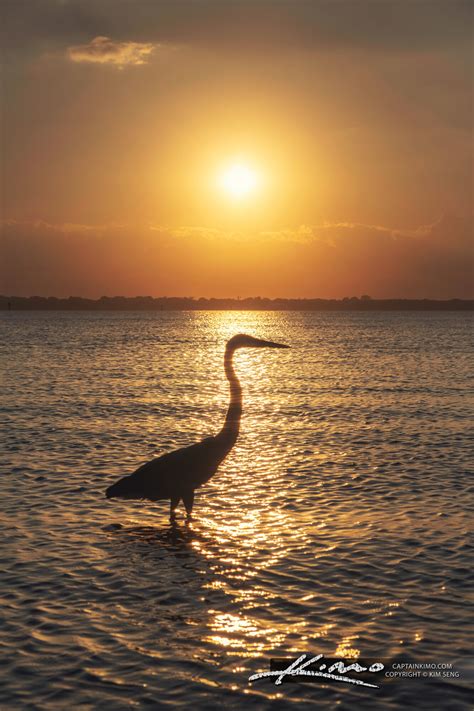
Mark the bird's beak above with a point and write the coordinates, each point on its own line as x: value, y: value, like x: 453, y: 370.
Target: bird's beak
x: 270, y: 344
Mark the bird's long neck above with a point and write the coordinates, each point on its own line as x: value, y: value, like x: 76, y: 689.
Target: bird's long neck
x: 230, y: 431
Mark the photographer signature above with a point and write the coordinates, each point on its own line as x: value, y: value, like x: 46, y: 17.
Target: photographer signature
x: 299, y: 668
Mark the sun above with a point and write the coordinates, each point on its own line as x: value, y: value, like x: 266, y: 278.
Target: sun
x: 239, y: 180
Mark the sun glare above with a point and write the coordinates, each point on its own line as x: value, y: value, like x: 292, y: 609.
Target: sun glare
x: 239, y: 180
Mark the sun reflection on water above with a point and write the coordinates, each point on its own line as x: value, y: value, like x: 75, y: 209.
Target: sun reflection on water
x: 235, y: 554
x: 346, y: 649
x: 256, y: 534
x: 246, y: 636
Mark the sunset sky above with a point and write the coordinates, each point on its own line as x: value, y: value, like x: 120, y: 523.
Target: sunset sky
x: 351, y: 122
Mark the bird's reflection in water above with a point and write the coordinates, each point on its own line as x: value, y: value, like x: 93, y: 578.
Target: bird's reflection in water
x: 203, y: 578
x: 172, y: 535
x: 167, y: 578
x: 142, y: 545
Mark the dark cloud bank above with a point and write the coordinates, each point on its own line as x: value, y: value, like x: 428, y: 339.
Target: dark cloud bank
x: 387, y: 24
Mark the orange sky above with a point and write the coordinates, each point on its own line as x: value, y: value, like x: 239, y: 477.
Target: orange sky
x: 117, y: 122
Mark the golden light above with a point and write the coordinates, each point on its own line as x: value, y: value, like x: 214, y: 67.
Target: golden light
x: 239, y: 180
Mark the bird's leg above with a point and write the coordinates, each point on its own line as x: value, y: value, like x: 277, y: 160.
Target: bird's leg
x: 188, y: 501
x: 174, y: 503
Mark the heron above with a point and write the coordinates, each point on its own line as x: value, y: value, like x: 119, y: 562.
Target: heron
x: 176, y: 475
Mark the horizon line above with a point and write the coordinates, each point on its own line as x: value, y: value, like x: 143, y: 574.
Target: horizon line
x: 256, y: 303
x: 363, y: 297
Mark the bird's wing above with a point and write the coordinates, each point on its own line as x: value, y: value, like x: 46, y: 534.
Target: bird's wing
x: 169, y: 474
x: 175, y: 459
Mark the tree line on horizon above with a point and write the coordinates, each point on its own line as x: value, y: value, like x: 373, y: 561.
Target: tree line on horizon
x: 251, y: 303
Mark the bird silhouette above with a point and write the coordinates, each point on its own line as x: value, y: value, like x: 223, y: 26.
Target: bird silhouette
x: 178, y: 474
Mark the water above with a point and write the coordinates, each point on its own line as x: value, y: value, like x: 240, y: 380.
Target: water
x: 338, y: 524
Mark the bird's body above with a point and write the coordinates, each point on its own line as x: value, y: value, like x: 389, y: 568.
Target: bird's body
x: 173, y: 476
x: 177, y: 474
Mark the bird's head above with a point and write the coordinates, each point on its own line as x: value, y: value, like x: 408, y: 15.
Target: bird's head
x: 241, y: 340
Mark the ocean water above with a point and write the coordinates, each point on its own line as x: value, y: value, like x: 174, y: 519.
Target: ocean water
x: 338, y: 525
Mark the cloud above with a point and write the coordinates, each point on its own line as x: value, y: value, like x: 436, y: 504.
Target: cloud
x: 41, y: 227
x: 103, y: 50
x: 329, y: 261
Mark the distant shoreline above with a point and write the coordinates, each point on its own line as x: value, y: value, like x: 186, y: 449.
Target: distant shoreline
x: 148, y: 303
